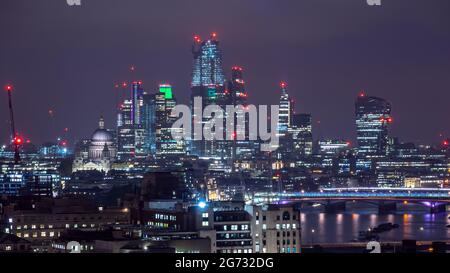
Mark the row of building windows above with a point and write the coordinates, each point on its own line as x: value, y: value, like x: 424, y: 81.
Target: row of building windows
x: 165, y: 217
x: 246, y: 250
x: 25, y: 227
x: 52, y: 219
x: 285, y: 216
x: 235, y: 227
x: 158, y: 224
x: 37, y: 234
x: 282, y: 226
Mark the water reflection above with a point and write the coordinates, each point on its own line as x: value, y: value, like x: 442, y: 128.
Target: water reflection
x: 344, y: 227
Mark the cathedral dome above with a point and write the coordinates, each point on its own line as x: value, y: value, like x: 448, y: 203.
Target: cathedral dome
x: 102, y: 135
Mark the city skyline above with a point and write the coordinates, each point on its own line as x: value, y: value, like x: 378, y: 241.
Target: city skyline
x: 336, y: 119
x: 226, y: 127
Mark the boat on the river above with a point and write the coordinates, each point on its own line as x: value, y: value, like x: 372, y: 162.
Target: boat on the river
x: 385, y: 227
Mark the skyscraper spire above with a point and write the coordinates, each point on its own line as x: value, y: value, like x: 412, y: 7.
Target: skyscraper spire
x: 207, y: 65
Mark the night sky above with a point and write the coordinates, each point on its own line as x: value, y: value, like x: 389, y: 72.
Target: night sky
x: 68, y: 58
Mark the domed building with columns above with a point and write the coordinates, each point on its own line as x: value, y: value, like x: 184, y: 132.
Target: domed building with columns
x: 96, y: 153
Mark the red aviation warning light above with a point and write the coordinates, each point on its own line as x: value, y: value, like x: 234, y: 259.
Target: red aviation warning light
x: 283, y: 84
x: 362, y: 94
x: 446, y: 143
x: 214, y: 35
x: 8, y: 88
x: 18, y: 140
x: 197, y: 39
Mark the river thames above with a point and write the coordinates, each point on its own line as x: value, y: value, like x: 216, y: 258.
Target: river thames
x: 343, y: 227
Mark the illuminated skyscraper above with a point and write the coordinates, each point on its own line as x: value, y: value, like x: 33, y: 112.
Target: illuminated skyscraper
x: 373, y: 116
x: 158, y: 121
x: 207, y: 69
x: 301, y: 131
x: 125, y: 131
x: 208, y: 82
x: 136, y: 102
x: 131, y: 134
x: 148, y: 121
x: 238, y: 97
x: 286, y: 110
x: 166, y: 146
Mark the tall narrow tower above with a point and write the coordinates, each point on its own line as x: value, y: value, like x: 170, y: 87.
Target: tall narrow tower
x: 208, y: 83
x: 286, y: 110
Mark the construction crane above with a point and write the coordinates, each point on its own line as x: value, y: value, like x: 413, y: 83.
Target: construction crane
x: 16, y: 139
